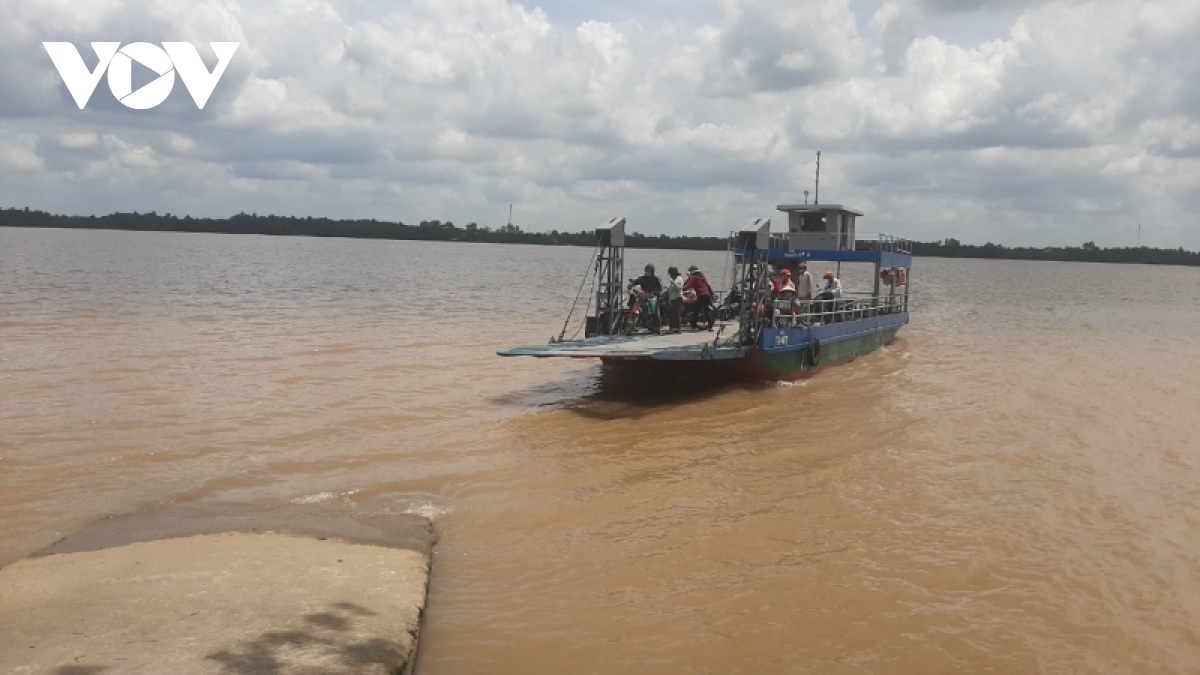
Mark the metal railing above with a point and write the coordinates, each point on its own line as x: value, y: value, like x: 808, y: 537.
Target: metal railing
x: 805, y: 313
x: 782, y: 241
x: 883, y: 242
x: 862, y: 242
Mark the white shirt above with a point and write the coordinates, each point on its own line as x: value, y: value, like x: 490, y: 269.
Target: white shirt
x: 804, y: 285
x: 675, y: 288
x: 834, y: 286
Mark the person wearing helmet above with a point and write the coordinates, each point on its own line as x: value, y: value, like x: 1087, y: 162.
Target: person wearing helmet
x: 648, y: 287
x: 829, y: 296
x: 833, y: 286
x: 786, y: 287
x: 649, y: 283
x: 783, y: 301
x: 697, y: 283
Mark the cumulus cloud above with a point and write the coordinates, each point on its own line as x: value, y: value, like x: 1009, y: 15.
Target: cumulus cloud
x: 780, y: 46
x: 1074, y: 120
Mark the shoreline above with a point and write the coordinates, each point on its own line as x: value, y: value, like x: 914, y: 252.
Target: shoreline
x: 437, y: 231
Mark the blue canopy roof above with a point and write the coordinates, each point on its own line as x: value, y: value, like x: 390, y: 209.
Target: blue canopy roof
x: 883, y: 258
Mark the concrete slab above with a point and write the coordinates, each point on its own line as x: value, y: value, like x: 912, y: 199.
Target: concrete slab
x: 287, y: 591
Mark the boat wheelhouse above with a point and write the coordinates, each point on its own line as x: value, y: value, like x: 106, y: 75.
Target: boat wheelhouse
x: 766, y: 334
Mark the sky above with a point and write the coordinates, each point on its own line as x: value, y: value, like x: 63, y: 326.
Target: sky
x: 1022, y: 122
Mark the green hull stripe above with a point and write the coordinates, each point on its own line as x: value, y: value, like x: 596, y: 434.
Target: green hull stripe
x: 791, y: 364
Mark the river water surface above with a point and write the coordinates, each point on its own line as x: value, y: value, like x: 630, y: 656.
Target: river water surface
x: 1012, y: 486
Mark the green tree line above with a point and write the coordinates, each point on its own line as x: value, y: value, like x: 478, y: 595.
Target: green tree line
x: 436, y: 230
x: 1088, y: 252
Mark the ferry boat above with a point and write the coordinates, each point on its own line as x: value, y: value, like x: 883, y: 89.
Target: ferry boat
x: 764, y: 336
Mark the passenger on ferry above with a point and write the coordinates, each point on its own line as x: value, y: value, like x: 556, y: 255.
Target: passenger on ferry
x: 649, y: 282
x: 696, y: 282
x: 830, y: 295
x: 833, y: 287
x: 732, y: 306
x: 674, y: 299
x: 784, y: 303
x: 786, y: 288
x: 804, y: 282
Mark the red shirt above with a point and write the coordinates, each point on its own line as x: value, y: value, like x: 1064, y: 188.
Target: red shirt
x: 698, y: 283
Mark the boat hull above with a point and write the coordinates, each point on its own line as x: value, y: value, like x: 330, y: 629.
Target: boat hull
x: 778, y: 353
x: 763, y: 364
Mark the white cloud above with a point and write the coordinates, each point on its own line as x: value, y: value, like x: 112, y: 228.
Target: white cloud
x: 78, y: 140
x: 1079, y: 115
x: 17, y: 154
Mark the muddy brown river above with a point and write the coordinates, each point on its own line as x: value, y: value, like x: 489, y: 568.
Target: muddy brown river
x: 1012, y: 486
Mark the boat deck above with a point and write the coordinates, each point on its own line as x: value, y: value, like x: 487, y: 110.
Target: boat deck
x: 706, y: 346
x: 625, y: 347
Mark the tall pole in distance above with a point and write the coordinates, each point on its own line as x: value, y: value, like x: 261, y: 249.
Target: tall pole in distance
x: 817, y: 187
x: 1139, y: 235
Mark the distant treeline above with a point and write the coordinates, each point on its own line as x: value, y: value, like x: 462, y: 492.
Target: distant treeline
x: 436, y: 230
x: 1088, y: 252
x: 427, y: 230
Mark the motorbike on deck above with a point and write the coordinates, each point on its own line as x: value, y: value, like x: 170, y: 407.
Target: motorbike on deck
x: 643, y: 312
x: 731, y: 308
x: 691, y: 310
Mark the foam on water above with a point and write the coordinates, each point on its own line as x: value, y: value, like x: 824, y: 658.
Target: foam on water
x: 314, y: 499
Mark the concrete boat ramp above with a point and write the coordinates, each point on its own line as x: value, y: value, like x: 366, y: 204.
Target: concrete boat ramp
x: 258, y: 592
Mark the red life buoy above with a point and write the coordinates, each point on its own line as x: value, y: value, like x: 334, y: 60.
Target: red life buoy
x: 901, y: 276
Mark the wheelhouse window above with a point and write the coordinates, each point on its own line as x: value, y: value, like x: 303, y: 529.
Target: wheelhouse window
x: 813, y: 222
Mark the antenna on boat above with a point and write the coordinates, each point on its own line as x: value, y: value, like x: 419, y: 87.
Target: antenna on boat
x: 806, y: 196
x: 817, y: 188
